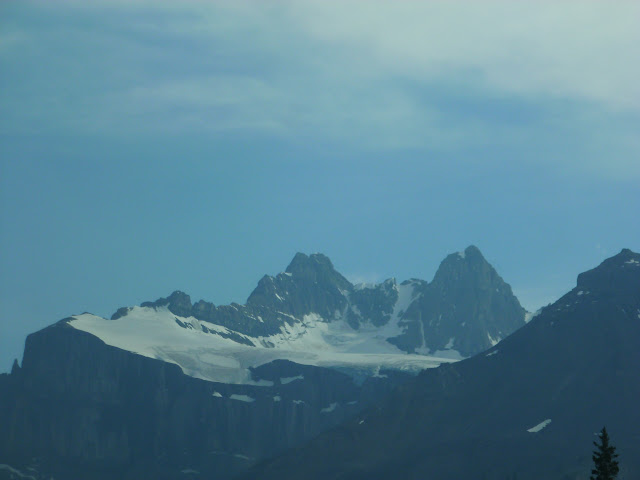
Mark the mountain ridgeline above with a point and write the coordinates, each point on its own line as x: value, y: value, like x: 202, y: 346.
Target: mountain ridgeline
x: 528, y: 408
x: 466, y: 308
x: 175, y: 390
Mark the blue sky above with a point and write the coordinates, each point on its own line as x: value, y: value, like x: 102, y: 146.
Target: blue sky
x: 153, y: 146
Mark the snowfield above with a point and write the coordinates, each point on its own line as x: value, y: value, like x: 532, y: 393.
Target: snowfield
x: 156, y: 333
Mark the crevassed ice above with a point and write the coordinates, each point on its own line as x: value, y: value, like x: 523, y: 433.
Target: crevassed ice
x: 210, y: 356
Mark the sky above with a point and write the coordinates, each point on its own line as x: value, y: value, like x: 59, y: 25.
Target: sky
x: 151, y: 146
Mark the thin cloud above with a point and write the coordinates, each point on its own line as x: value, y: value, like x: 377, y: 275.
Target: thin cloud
x: 370, y: 75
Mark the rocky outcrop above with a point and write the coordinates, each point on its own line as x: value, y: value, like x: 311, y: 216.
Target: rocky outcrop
x: 467, y: 307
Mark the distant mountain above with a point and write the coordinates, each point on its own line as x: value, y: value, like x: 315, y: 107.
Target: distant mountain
x: 313, y: 315
x: 526, y: 409
x: 173, y: 389
x: 467, y: 308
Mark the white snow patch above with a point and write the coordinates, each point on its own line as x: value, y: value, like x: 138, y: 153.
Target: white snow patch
x: 633, y: 261
x: 242, y: 398
x: 493, y: 341
x: 288, y: 274
x: 298, y: 402
x: 461, y: 254
x: 190, y: 470
x: 279, y: 297
x: 286, y: 380
x: 330, y: 408
x: 540, y: 426
x: 311, y: 340
x: 528, y: 316
x: 277, y: 398
x: 352, y: 402
x: 376, y: 373
x: 492, y: 353
x: 217, y: 394
x: 14, y: 471
x: 360, y: 422
x: 451, y: 355
x: 449, y: 343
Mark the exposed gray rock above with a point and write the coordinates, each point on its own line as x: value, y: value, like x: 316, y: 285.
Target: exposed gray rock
x: 467, y: 307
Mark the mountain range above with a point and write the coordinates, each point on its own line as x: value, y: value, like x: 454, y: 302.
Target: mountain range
x: 174, y: 389
x: 314, y: 377
x: 528, y: 408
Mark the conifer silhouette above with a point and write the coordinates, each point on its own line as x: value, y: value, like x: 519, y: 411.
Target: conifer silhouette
x: 604, y: 459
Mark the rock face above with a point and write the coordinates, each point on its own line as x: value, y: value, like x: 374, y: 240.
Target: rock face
x: 527, y: 409
x: 173, y: 389
x: 467, y: 308
x: 81, y: 409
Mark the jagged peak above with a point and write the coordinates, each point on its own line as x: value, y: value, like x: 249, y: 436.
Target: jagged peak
x: 459, y: 262
x: 469, y: 254
x: 302, y: 261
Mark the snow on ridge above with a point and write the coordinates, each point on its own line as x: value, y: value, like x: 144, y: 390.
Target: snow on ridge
x: 493, y: 341
x: 156, y: 333
x: 242, y: 398
x: 528, y: 316
x: 286, y: 380
x: 462, y: 254
x: 540, y: 426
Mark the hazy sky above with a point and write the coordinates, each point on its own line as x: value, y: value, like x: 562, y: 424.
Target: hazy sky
x: 151, y: 146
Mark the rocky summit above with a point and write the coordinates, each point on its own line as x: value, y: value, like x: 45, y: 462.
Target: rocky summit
x: 310, y: 310
x: 172, y: 389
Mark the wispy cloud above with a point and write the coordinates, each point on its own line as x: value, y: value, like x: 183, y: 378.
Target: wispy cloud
x: 430, y: 75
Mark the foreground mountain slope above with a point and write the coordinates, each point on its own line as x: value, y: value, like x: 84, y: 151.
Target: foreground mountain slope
x: 528, y: 408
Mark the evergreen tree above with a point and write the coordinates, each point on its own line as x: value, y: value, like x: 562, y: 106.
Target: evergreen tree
x: 604, y: 459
